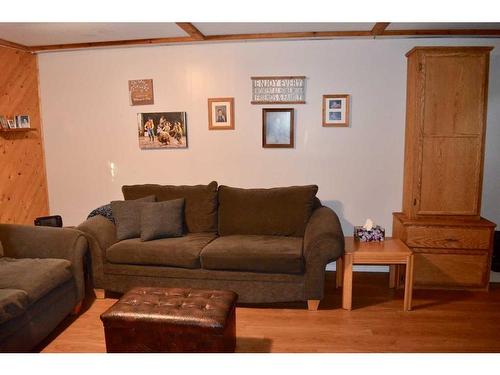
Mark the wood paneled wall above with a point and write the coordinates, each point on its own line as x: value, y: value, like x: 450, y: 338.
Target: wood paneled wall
x: 23, y: 181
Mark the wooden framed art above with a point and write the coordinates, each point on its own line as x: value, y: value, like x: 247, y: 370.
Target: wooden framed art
x: 221, y: 114
x: 141, y: 92
x: 277, y: 127
x: 336, y: 110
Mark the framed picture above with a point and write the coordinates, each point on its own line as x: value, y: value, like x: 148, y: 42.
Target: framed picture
x: 336, y: 110
x: 23, y: 121
x: 12, y: 123
x: 4, y: 124
x: 141, y: 92
x: 162, y: 130
x: 221, y: 114
x: 277, y: 128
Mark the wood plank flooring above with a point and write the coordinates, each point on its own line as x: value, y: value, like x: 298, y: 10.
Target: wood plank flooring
x: 442, y: 321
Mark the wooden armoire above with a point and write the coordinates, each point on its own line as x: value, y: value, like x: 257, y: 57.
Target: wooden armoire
x: 447, y: 90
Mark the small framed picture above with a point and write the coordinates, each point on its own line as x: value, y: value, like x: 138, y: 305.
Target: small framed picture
x: 12, y: 123
x: 4, y: 124
x: 336, y: 110
x: 23, y: 121
x: 277, y: 128
x: 141, y: 92
x: 221, y: 114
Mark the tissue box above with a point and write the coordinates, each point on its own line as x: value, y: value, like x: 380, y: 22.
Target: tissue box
x: 377, y: 233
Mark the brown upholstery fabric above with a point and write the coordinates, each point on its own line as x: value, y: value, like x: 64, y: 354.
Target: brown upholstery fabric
x: 277, y: 211
x: 36, y: 277
x: 1, y: 249
x: 323, y: 243
x: 127, y: 216
x: 27, y: 241
x: 200, y: 210
x: 100, y: 234
x: 162, y: 219
x: 171, y: 320
x: 13, y: 303
x: 275, y: 254
x: 180, y: 251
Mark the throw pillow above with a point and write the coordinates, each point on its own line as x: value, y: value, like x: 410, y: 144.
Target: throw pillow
x: 162, y: 219
x: 127, y: 216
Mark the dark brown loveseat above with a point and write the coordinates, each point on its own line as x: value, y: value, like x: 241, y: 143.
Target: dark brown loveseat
x: 267, y: 245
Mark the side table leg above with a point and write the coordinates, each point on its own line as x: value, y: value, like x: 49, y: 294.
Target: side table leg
x: 392, y: 275
x: 347, y: 282
x: 408, y: 284
x: 339, y: 273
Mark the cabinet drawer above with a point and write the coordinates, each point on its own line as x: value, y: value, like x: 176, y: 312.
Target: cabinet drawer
x: 448, y: 237
x: 452, y: 270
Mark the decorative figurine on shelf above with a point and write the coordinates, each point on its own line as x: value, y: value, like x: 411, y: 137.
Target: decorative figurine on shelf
x: 369, y: 232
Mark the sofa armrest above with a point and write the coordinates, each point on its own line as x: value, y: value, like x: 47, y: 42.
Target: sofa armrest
x: 323, y: 243
x: 23, y: 241
x: 100, y: 234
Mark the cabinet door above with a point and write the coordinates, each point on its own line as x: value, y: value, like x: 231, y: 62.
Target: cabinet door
x: 454, y: 94
x: 450, y: 180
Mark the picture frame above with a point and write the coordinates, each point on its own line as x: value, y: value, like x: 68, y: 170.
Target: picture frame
x: 336, y: 110
x: 141, y: 92
x: 221, y: 114
x: 162, y: 130
x: 11, y: 123
x: 278, y: 128
x: 23, y: 122
x: 4, y: 124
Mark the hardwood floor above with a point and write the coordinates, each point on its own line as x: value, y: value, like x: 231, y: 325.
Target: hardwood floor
x: 442, y: 321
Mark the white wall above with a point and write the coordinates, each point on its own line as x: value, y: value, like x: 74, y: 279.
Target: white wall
x: 89, y: 124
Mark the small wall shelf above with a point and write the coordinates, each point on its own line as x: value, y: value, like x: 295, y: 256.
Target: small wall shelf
x: 18, y: 130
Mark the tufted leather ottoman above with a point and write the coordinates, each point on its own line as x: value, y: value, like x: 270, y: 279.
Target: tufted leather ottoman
x: 171, y: 320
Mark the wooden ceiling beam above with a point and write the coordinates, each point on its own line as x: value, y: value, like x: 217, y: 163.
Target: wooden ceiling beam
x: 192, y: 31
x: 289, y: 35
x: 6, y: 43
x: 376, y: 31
x: 379, y: 28
x: 443, y: 32
x: 115, y: 43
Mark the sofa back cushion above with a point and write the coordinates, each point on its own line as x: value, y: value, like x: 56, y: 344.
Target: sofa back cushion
x: 281, y: 211
x: 200, y: 209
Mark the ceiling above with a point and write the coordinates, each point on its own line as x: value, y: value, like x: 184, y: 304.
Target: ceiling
x: 52, y: 36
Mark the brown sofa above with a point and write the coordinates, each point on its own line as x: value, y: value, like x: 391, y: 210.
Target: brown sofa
x: 41, y: 282
x: 267, y: 245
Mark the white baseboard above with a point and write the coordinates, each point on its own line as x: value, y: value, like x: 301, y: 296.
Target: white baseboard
x: 362, y: 268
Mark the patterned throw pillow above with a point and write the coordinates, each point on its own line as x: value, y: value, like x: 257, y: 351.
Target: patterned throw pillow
x: 103, y: 211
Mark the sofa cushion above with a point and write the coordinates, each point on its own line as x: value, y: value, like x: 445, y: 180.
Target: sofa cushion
x: 254, y: 253
x: 277, y: 211
x: 162, y: 219
x: 177, y: 252
x: 36, y: 277
x: 200, y: 210
x: 13, y: 303
x: 127, y: 216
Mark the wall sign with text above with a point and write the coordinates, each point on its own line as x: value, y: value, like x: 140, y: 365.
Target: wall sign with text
x: 141, y: 92
x: 279, y: 90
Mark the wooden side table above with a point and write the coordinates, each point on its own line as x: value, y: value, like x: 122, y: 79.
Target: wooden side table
x: 391, y: 251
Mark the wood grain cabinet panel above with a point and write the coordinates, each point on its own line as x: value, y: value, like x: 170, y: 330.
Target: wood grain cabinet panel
x: 450, y: 270
x: 450, y: 178
x: 453, y: 93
